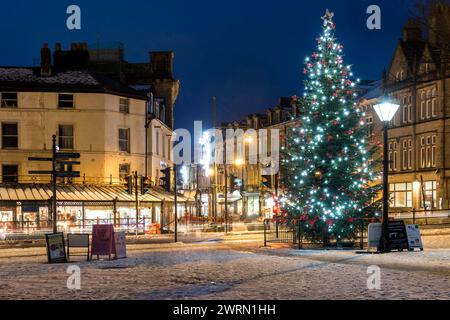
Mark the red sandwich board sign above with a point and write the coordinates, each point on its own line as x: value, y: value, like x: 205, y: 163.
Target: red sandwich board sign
x: 102, y: 240
x: 120, y: 248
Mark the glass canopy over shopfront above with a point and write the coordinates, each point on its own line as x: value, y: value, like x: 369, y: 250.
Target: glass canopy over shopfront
x: 27, y: 207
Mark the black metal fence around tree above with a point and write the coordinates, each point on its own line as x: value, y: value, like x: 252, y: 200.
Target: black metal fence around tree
x: 292, y: 232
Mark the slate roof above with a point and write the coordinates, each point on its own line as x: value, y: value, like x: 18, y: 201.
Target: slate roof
x: 374, y: 91
x: 29, y: 79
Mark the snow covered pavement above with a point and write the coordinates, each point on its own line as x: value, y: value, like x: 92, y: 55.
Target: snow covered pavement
x: 229, y: 271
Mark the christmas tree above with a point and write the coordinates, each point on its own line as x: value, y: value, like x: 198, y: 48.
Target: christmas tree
x: 327, y: 172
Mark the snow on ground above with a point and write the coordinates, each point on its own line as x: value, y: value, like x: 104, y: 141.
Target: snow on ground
x: 229, y: 271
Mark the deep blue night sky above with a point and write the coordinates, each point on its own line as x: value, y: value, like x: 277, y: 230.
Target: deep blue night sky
x: 247, y: 53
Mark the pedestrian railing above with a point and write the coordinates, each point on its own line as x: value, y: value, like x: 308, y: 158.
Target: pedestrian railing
x: 11, y: 229
x: 292, y: 232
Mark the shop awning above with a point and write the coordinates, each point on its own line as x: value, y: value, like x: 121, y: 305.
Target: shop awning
x: 80, y: 193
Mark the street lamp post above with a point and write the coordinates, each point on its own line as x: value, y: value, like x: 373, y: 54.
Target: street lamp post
x: 385, y: 111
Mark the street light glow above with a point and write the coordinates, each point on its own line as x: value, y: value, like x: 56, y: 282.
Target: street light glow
x: 386, y: 110
x: 239, y: 162
x: 248, y: 140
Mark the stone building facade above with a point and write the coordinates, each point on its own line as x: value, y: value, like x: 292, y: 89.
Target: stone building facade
x: 418, y: 79
x: 108, y: 121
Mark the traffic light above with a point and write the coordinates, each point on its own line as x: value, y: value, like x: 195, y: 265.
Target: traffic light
x: 165, y: 179
x: 129, y: 184
x: 266, y: 181
x: 145, y: 184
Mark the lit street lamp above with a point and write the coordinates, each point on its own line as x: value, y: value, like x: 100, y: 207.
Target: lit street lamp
x: 385, y: 111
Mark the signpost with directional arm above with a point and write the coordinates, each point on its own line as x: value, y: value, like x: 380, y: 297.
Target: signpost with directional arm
x: 59, y: 161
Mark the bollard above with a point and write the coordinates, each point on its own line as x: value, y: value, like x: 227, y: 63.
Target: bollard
x: 361, y: 241
x: 300, y: 244
x: 265, y: 237
x: 143, y: 225
x: 276, y: 228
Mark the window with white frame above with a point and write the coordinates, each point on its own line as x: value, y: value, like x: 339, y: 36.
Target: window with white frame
x: 404, y: 155
x: 410, y: 108
x: 10, y: 135
x: 401, y: 195
x: 422, y: 105
x: 433, y: 151
x: 433, y: 103
x: 157, y: 143
x: 124, y: 105
x: 428, y: 151
x: 410, y: 154
x: 429, y: 195
x: 392, y: 156
x: 124, y: 140
x: 428, y: 104
x: 422, y: 153
x: 405, y: 110
x: 65, y: 136
x: 407, y: 154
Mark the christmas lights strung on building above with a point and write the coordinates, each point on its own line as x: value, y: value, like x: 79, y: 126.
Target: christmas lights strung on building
x: 326, y: 166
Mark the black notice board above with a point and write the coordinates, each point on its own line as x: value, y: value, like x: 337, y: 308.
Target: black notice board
x: 398, y: 239
x: 56, y: 249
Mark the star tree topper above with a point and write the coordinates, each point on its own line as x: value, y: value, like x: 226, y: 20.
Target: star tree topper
x: 328, y: 18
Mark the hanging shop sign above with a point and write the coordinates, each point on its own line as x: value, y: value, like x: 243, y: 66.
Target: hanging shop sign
x: 56, y: 250
x: 102, y: 240
x: 414, y: 237
x: 120, y: 245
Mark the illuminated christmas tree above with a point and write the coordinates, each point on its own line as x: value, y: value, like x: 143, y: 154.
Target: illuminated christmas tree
x: 326, y: 168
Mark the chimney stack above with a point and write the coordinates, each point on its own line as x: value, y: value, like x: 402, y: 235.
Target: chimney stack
x: 161, y: 63
x: 46, y: 61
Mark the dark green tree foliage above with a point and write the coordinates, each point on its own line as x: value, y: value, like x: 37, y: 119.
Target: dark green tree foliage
x: 327, y: 173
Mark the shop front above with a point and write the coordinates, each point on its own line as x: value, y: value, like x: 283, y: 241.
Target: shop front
x: 80, y: 207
